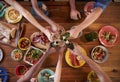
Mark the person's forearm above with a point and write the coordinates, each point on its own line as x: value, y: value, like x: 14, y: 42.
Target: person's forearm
x: 26, y: 14
x: 34, y: 70
x: 95, y: 67
x: 72, y: 4
x: 57, y: 75
x: 88, y: 20
x: 40, y: 13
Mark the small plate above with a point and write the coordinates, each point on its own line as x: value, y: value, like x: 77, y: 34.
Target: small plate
x: 1, y: 54
x: 12, y: 15
x: 3, y: 74
x: 46, y: 75
x: 106, y: 34
x: 74, y: 60
x: 99, y: 54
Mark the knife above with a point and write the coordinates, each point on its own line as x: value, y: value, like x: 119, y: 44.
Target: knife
x: 18, y: 33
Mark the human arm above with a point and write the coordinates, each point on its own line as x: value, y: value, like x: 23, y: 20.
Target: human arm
x: 95, y: 67
x: 33, y: 71
x: 35, y: 6
x: 57, y: 75
x: 74, y: 13
x: 98, y: 8
x: 29, y: 17
x: 74, y: 32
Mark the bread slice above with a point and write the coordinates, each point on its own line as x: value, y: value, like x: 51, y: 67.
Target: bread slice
x: 13, y: 33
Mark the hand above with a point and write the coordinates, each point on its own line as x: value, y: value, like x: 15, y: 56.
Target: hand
x: 75, y: 14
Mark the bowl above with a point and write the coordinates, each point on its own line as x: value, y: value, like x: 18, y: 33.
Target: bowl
x: 24, y: 43
x: 17, y: 54
x: 1, y: 55
x: 12, y: 15
x: 73, y: 60
x: 3, y: 75
x: 108, y: 36
x: 88, y: 8
x: 92, y: 77
x: 32, y: 55
x: 46, y: 75
x: 21, y: 70
x: 99, y: 54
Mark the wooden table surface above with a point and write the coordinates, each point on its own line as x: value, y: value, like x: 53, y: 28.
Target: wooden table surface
x: 59, y: 12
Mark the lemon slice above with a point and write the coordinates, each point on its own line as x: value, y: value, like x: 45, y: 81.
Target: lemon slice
x: 12, y: 15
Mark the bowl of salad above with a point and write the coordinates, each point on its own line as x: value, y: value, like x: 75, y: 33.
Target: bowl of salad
x: 99, y: 54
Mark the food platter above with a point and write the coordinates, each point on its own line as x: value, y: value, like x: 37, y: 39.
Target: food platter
x: 1, y: 55
x: 74, y: 60
x: 32, y: 55
x: 39, y: 40
x: 108, y: 36
x: 99, y: 54
x: 9, y: 34
x: 46, y: 75
x: 12, y: 15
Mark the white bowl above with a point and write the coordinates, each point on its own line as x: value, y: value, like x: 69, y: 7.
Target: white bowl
x: 99, y: 54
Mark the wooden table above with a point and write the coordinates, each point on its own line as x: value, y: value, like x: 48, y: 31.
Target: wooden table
x: 59, y: 12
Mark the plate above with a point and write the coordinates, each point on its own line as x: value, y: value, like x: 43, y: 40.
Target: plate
x: 1, y: 55
x: 74, y: 60
x: 108, y: 36
x: 3, y: 75
x: 39, y: 40
x: 46, y: 75
x: 17, y: 54
x: 99, y: 54
x: 12, y: 15
x: 24, y: 43
x: 92, y: 77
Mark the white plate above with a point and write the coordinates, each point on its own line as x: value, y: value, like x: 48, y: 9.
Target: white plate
x: 1, y: 54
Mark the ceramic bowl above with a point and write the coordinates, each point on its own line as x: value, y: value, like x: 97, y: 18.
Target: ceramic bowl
x: 21, y: 70
x: 99, y: 54
x: 24, y: 43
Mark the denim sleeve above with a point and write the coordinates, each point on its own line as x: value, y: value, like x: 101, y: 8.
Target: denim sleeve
x: 102, y: 3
